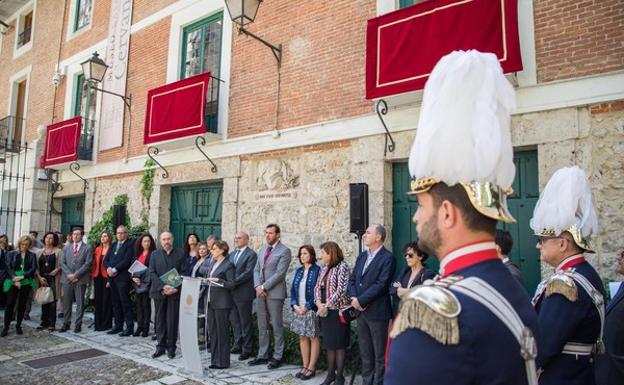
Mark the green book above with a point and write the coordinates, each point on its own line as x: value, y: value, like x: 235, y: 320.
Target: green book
x: 172, y: 278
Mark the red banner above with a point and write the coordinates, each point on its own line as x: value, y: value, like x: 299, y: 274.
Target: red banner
x: 61, y: 142
x: 402, y: 47
x: 176, y: 110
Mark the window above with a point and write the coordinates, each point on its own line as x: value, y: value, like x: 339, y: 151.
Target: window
x: 85, y: 106
x: 82, y: 14
x: 25, y: 32
x: 201, y: 52
x: 407, y: 3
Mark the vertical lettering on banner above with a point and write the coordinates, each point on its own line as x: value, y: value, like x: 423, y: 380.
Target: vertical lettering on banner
x: 112, y: 112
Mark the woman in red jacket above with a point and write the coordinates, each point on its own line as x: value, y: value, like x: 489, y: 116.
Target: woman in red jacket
x: 103, y: 304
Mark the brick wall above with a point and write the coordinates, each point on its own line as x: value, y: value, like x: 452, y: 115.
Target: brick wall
x: 578, y: 38
x: 322, y: 69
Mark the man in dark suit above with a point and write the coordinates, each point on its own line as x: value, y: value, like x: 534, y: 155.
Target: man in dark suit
x: 610, y: 366
x: 270, y: 285
x: 369, y: 288
x: 77, y: 261
x: 118, y: 259
x: 244, y: 259
x: 166, y: 298
x: 504, y: 243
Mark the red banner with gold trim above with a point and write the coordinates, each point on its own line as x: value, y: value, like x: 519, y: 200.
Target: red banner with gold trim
x: 61, y: 142
x: 402, y: 47
x: 176, y: 110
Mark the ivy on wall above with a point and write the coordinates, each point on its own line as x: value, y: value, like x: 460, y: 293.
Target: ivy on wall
x: 106, y: 223
x: 147, y: 187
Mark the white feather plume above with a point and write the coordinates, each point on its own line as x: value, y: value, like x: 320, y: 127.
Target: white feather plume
x: 464, y: 127
x: 566, y: 201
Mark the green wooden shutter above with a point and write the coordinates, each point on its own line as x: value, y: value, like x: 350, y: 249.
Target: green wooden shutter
x: 196, y: 209
x: 72, y: 214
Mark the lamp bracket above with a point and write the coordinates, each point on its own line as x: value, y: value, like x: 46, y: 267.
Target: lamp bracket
x: 200, y: 140
x: 382, y: 109
x: 74, y: 167
x: 153, y: 151
x: 127, y: 99
x: 277, y: 51
x: 56, y: 187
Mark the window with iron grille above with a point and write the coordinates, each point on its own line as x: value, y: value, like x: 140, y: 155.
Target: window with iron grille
x: 25, y: 34
x: 85, y: 106
x: 201, y: 52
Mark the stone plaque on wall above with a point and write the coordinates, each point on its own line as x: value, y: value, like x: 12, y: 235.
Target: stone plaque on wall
x: 276, y: 179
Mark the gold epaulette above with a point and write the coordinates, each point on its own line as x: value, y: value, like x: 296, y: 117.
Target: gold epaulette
x: 431, y: 308
x: 562, y: 283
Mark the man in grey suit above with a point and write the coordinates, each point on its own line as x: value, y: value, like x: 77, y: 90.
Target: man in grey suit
x: 76, y: 264
x: 270, y: 284
x: 244, y: 260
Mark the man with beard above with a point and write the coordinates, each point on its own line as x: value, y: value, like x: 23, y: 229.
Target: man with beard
x: 474, y: 324
x: 570, y: 303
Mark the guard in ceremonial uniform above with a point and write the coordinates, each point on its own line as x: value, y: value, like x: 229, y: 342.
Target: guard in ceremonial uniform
x: 570, y: 304
x: 473, y: 324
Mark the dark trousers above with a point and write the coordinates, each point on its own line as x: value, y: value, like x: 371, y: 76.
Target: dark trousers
x: 143, y: 311
x: 19, y: 297
x: 48, y: 311
x: 103, y: 304
x: 3, y: 297
x: 122, y: 307
x: 218, y: 327
x: 167, y: 317
x: 242, y: 328
x: 372, y: 339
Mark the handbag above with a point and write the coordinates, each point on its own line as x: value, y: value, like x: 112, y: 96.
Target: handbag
x: 347, y: 315
x: 44, y: 295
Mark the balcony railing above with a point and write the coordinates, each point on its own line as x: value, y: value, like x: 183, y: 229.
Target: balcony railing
x: 212, y: 105
x: 85, y: 145
x: 11, y: 128
x: 24, y: 37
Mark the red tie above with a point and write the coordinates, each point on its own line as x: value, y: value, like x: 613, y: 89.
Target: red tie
x: 267, y: 254
x: 75, y: 249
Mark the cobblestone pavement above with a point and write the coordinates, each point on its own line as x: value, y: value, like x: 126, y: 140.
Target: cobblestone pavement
x: 128, y: 362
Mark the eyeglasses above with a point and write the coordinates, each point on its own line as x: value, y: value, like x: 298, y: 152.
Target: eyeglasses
x: 542, y: 240
x: 409, y: 255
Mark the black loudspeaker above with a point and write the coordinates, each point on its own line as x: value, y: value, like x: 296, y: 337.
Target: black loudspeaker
x: 358, y: 207
x: 119, y: 216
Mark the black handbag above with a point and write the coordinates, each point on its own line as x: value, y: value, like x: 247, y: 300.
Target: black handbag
x: 347, y: 315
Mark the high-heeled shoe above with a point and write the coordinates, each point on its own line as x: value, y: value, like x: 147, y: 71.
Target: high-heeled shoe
x: 340, y: 380
x: 329, y: 379
x: 307, y: 374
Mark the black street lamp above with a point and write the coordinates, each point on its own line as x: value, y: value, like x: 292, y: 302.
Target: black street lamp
x: 242, y: 13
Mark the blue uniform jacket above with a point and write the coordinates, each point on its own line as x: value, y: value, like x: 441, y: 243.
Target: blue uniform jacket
x: 372, y: 289
x: 562, y: 321
x: 313, y: 274
x: 487, y: 352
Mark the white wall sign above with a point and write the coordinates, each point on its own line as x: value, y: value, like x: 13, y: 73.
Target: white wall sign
x: 117, y: 47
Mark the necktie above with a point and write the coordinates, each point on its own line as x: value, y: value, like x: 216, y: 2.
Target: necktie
x: 117, y: 247
x: 238, y: 253
x: 369, y: 259
x: 267, y: 254
x: 75, y: 249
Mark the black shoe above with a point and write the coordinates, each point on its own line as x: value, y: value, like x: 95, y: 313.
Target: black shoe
x: 274, y: 364
x: 340, y: 380
x: 18, y: 330
x: 41, y: 327
x: 154, y: 337
x: 114, y: 331
x: 329, y: 379
x: 4, y: 332
x: 236, y: 351
x: 244, y: 356
x: 137, y: 333
x: 158, y: 353
x: 217, y: 367
x: 307, y: 374
x: 77, y: 329
x: 26, y: 317
x: 257, y: 361
x: 126, y: 333
x: 59, y: 315
x: 300, y: 373
x: 64, y: 329
x: 145, y: 333
x: 171, y: 354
